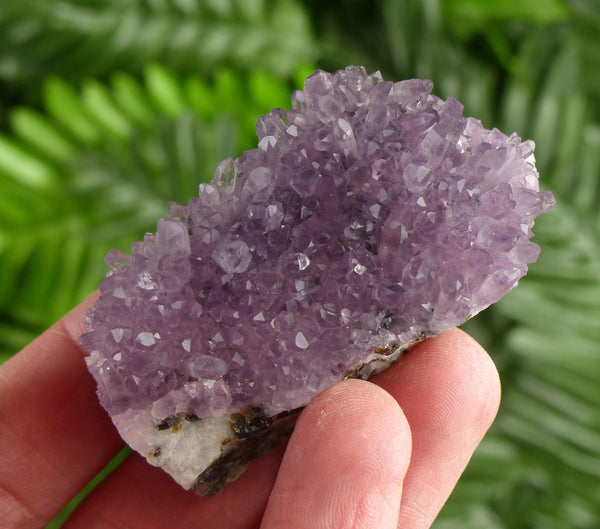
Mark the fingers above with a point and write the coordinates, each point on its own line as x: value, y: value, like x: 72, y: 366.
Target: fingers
x: 449, y: 391
x: 54, y: 435
x: 344, y: 464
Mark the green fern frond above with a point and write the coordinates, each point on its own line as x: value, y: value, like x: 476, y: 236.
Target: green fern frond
x: 75, y: 171
x: 97, y: 169
x: 76, y: 39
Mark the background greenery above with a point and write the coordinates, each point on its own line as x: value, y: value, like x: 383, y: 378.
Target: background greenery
x: 111, y: 108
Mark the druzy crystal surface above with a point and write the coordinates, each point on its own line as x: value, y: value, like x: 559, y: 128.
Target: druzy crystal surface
x: 371, y: 215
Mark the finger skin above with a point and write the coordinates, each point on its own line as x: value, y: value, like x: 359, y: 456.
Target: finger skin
x: 345, y: 463
x: 54, y: 435
x: 449, y: 390
x: 137, y: 495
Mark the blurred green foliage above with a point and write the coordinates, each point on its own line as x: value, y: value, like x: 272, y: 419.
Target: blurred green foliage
x: 109, y: 109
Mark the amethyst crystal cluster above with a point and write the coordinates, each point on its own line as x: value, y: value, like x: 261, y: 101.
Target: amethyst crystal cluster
x: 371, y: 215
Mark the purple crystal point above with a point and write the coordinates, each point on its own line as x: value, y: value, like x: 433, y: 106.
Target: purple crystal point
x: 371, y: 215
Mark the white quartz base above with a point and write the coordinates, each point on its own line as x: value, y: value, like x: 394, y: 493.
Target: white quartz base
x: 184, y: 450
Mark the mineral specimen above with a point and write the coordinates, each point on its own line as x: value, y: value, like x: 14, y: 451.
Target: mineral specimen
x: 371, y: 215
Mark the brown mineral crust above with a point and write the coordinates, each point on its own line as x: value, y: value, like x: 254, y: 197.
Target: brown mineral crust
x: 257, y: 436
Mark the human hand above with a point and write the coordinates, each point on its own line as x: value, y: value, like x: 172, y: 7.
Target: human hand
x: 379, y: 454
